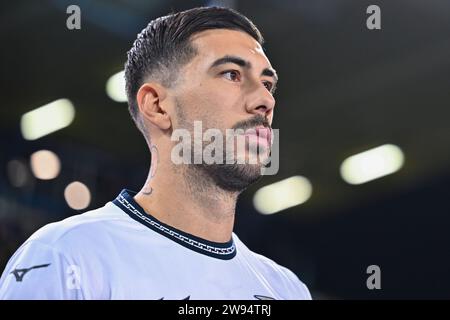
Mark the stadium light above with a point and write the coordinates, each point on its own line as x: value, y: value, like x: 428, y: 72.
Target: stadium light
x: 372, y: 164
x: 18, y: 173
x: 282, y: 195
x: 77, y: 195
x: 115, y: 87
x: 45, y: 164
x: 47, y: 119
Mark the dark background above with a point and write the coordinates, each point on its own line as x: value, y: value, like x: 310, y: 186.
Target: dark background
x: 343, y: 89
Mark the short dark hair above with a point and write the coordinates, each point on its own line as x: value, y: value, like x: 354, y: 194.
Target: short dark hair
x: 164, y: 46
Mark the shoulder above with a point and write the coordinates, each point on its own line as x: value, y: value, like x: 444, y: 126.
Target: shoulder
x: 59, y: 257
x: 286, y: 277
x: 280, y: 276
x: 79, y: 229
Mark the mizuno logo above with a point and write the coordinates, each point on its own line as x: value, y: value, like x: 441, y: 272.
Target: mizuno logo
x: 20, y: 273
x: 259, y: 297
x: 187, y: 298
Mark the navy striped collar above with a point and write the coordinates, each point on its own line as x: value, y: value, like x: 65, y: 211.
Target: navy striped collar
x: 126, y: 202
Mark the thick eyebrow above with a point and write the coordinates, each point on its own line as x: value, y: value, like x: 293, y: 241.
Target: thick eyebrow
x: 232, y: 59
x: 244, y: 64
x: 270, y: 73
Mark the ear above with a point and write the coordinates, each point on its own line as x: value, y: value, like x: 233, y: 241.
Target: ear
x: 149, y: 100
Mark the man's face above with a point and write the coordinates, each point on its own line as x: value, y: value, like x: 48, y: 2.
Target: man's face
x: 228, y: 85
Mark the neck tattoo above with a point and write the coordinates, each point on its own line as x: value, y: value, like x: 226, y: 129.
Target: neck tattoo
x: 147, y: 190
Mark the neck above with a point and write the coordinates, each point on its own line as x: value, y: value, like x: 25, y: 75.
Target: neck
x: 188, y: 201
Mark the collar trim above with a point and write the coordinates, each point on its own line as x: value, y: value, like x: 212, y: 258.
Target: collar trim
x: 126, y: 202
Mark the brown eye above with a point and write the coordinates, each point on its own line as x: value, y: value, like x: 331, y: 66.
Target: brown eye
x: 268, y: 85
x: 232, y: 75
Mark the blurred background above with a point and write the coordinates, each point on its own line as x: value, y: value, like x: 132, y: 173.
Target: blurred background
x: 363, y: 115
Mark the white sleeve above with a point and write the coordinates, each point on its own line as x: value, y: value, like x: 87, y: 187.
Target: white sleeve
x: 38, y: 271
x: 301, y: 291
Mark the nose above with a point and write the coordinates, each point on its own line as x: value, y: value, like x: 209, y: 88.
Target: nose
x: 261, y: 101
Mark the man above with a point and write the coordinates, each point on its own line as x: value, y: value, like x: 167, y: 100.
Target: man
x: 174, y: 238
